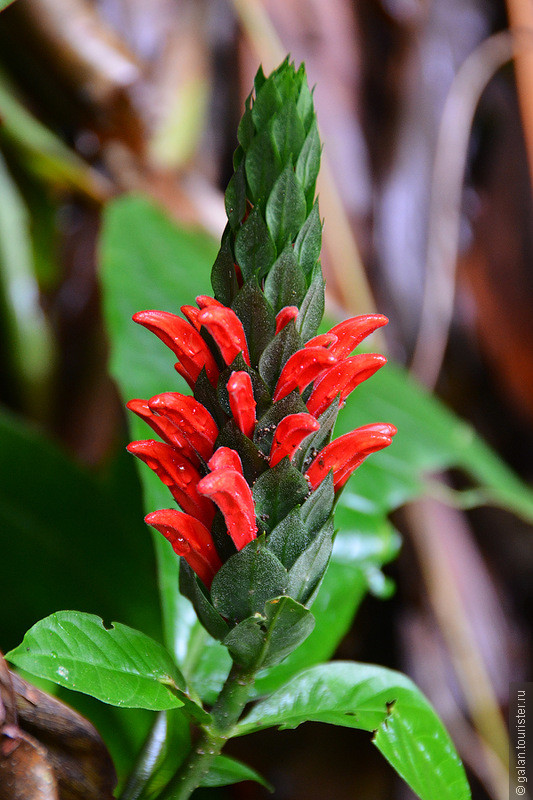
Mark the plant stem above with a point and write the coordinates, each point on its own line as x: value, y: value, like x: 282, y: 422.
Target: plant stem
x: 225, y: 713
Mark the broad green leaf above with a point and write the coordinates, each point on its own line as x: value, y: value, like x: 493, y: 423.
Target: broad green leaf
x: 267, y: 638
x: 407, y: 730
x: 55, y: 513
x: 225, y: 770
x: 285, y: 284
x: 288, y: 133
x: 277, y: 491
x: 254, y: 247
x: 285, y: 208
x: 247, y: 580
x: 118, y: 665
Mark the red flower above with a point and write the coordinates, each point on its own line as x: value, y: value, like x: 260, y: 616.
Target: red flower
x: 342, y: 379
x: 301, y: 369
x: 241, y: 401
x: 352, y: 331
x: 289, y: 435
x: 228, y: 489
x: 178, y: 474
x: 284, y: 316
x: 225, y: 458
x: 346, y: 453
x: 184, y: 340
x: 226, y: 329
x: 191, y: 418
x: 189, y: 538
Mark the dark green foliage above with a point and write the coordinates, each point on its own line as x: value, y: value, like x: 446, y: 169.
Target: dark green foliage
x: 264, y: 431
x: 312, y: 308
x: 254, y: 248
x: 277, y: 491
x: 309, y: 241
x: 285, y: 284
x: 278, y: 352
x: 257, y: 317
x: 285, y: 208
x: 190, y: 588
x: 247, y: 581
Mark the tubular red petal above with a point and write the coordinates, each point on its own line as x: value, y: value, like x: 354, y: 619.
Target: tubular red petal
x: 322, y: 340
x: 289, y: 435
x: 352, y: 331
x: 342, y: 379
x: 241, y: 401
x: 284, y: 316
x: 225, y: 458
x: 185, y: 374
x: 346, y: 453
x: 191, y: 417
x: 189, y: 538
x: 229, y: 490
x: 176, y: 472
x: 226, y: 329
x: 191, y: 314
x: 205, y: 300
x: 164, y: 428
x: 183, y: 339
x: 302, y: 368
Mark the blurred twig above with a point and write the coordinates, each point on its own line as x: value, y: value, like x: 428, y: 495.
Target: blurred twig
x: 45, y: 154
x: 520, y: 13
x: 431, y: 534
x: 445, y: 202
x: 345, y: 261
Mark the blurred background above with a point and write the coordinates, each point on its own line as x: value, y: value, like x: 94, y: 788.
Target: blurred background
x: 426, y: 112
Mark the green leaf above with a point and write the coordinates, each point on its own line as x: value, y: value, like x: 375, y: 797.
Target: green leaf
x: 235, y: 197
x: 312, y: 308
x: 257, y: 317
x: 308, y: 570
x: 210, y: 619
x: 5, y: 4
x: 277, y: 491
x: 247, y: 580
x: 223, y: 275
x: 246, y: 129
x: 225, y: 770
x: 262, y: 167
x: 268, y: 100
x: 288, y: 133
x: 254, y: 247
x: 285, y: 208
x: 304, y: 105
x: 309, y: 241
x: 289, y: 538
x: 285, y: 284
x: 119, y: 665
x: 408, y: 731
x: 278, y: 352
x: 263, y: 640
x: 308, y: 164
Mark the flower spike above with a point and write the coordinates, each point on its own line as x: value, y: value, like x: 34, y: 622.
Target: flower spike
x: 241, y: 401
x: 289, y: 435
x: 347, y: 452
x: 342, y: 379
x: 190, y: 417
x: 184, y: 341
x: 176, y: 472
x: 304, y: 366
x: 189, y: 538
x: 352, y: 331
x: 226, y: 329
x: 229, y: 490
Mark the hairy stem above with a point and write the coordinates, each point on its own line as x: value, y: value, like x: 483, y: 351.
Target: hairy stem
x: 226, y: 713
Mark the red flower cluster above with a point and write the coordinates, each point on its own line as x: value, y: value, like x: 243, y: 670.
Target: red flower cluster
x: 203, y: 477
